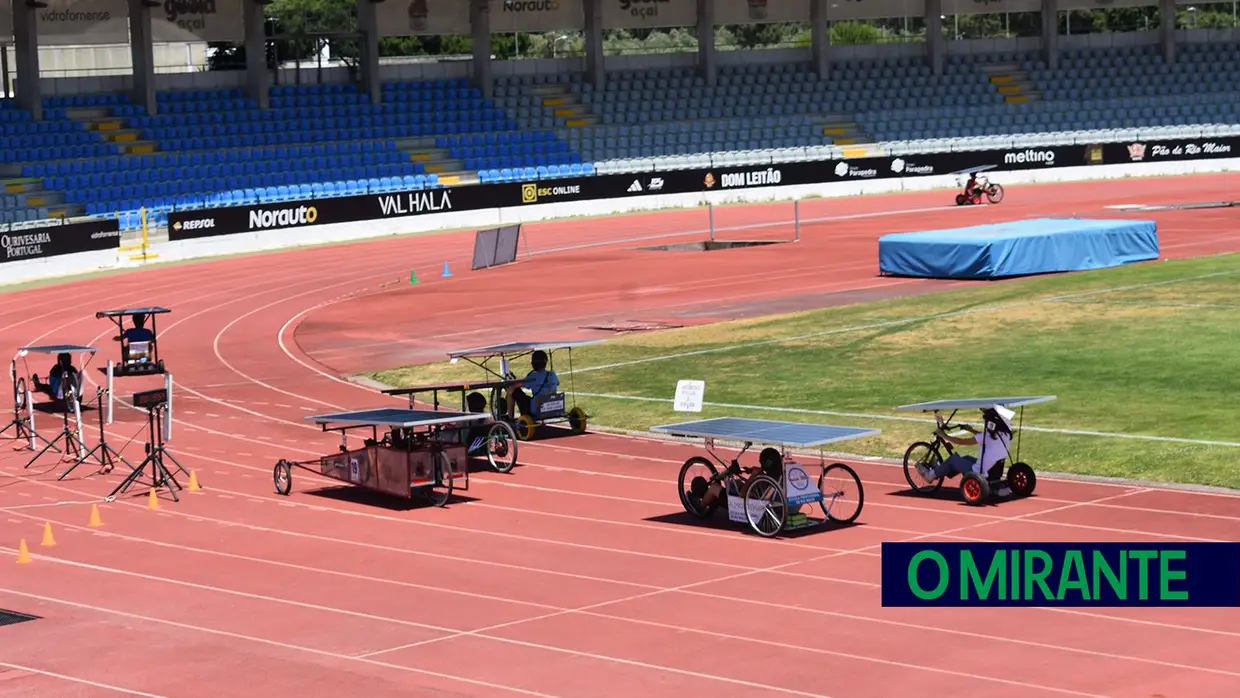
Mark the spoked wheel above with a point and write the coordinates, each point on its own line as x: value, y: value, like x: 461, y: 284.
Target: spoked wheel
x: 922, y: 453
x: 19, y: 394
x: 1021, y: 480
x: 765, y: 507
x: 501, y: 447
x: 524, y: 427
x: 695, y: 477
x: 961, y: 199
x: 283, y: 477
x: 974, y: 489
x: 842, y: 493
x: 577, y: 419
x: 440, y: 490
x: 994, y: 193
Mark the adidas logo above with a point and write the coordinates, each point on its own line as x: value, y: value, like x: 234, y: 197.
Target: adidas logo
x: 635, y: 186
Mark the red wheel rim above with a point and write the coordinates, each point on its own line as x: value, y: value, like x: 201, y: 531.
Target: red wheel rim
x: 972, y: 490
x: 1020, y: 481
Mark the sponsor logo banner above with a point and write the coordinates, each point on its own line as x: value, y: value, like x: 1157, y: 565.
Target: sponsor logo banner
x: 761, y: 11
x: 536, y: 15
x: 93, y: 22
x: 55, y: 240
x: 1166, y: 151
x: 352, y: 209
x: 423, y: 17
x: 645, y: 14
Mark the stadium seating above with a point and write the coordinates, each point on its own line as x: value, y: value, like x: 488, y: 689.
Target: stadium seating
x: 102, y: 155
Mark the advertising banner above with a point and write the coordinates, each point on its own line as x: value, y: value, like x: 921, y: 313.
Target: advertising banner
x: 198, y: 20
x: 1065, y: 5
x: 423, y: 18
x: 83, y: 22
x: 55, y: 240
x: 95, y: 22
x: 649, y: 14
x: 761, y: 11
x: 535, y: 16
x: 352, y: 209
x: 991, y: 7
x: 838, y: 10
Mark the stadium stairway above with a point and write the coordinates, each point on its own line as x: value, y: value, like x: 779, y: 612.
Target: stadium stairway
x: 565, y: 107
x: 112, y: 129
x: 1013, y: 83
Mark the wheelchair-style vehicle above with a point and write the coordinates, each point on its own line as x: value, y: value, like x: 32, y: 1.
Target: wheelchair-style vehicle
x: 499, y: 442
x: 1019, y: 480
x: 983, y: 188
x: 771, y: 501
x: 139, y: 357
x: 548, y: 409
x: 421, y: 453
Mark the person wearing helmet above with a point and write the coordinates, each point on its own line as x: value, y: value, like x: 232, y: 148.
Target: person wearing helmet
x: 994, y: 442
x: 539, y: 382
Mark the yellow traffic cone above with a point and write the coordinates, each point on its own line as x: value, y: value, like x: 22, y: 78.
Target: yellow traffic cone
x: 23, y: 553
x: 152, y: 501
x: 193, y: 481
x: 95, y: 521
x: 48, y: 539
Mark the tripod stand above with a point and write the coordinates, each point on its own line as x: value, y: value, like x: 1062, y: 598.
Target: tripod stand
x: 21, y: 429
x: 155, y: 454
x: 73, y: 443
x: 102, y: 452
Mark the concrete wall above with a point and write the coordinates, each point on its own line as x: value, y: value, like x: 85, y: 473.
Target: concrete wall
x: 17, y: 272
x: 171, y: 56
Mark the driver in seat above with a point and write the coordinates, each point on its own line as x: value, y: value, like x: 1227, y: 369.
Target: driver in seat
x: 540, y: 382
x: 770, y: 463
x: 55, y: 377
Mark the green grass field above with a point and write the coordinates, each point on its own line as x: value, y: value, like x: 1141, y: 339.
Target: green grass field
x: 1151, y: 350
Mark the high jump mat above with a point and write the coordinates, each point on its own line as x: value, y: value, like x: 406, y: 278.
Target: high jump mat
x: 1018, y: 248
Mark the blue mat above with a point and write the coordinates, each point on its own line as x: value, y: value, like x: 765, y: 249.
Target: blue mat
x: 1020, y: 248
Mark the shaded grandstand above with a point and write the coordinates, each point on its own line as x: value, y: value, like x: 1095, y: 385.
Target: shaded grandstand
x: 101, y: 154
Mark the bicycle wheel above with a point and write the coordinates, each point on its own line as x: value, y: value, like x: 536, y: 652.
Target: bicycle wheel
x: 765, y: 506
x: 842, y: 493
x: 921, y: 453
x: 282, y: 475
x: 501, y: 447
x: 440, y: 490
x: 695, y: 476
x: 995, y: 193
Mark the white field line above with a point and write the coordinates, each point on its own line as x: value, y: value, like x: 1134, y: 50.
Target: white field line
x: 902, y: 321
x: 865, y: 415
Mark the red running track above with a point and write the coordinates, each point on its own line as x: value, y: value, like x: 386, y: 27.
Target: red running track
x: 572, y: 576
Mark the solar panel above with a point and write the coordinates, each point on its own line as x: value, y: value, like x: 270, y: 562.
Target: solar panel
x: 796, y: 434
x: 59, y: 349
x: 976, y: 403
x: 394, y: 417
x: 153, y: 310
x: 521, y: 347
x: 451, y: 387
